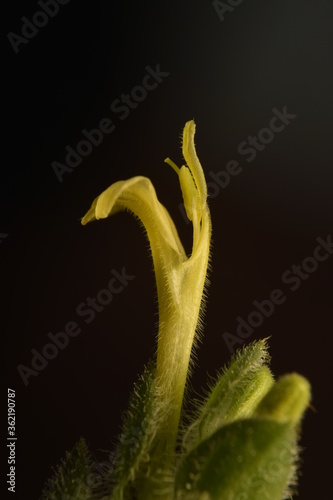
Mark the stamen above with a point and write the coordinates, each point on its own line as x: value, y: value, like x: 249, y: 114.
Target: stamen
x: 173, y: 165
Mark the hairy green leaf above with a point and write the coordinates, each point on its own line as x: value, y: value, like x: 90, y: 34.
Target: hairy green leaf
x: 248, y: 459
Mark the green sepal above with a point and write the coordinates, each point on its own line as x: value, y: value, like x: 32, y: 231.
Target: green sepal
x: 133, y: 452
x: 235, y: 394
x: 71, y: 478
x: 248, y: 459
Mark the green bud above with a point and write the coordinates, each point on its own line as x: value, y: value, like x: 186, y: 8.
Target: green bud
x: 287, y: 400
x: 236, y: 393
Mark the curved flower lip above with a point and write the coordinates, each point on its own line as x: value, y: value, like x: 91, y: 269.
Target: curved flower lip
x: 139, y: 197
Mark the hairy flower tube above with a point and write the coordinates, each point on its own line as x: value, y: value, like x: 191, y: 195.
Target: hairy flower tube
x: 180, y: 279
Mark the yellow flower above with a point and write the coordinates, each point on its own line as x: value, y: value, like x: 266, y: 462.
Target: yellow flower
x: 180, y: 279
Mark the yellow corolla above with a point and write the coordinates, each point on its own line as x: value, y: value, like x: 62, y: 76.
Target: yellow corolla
x: 180, y: 279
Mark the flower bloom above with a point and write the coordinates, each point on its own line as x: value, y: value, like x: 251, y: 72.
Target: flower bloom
x: 180, y: 279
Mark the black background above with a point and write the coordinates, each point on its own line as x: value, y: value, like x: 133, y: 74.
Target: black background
x: 228, y: 76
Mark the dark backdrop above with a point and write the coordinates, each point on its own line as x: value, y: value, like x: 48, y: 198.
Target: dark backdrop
x: 229, y: 71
